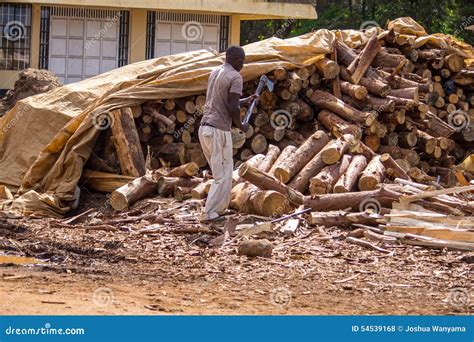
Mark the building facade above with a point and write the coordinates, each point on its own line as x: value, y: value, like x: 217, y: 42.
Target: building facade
x: 83, y: 38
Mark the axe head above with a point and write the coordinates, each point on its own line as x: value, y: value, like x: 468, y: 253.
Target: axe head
x: 267, y: 82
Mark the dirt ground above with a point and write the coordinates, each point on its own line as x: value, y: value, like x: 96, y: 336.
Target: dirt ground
x: 172, y: 268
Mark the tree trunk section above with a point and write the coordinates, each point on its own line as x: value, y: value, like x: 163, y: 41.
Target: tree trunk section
x: 288, y: 168
x: 324, y: 181
x: 347, y: 181
x: 127, y: 143
x: 372, y: 175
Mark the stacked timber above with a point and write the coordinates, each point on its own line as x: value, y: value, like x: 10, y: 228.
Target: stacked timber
x: 330, y: 134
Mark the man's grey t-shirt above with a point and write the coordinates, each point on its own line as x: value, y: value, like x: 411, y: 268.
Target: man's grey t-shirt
x: 223, y: 80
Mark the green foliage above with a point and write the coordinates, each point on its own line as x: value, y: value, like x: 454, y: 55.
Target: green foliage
x: 445, y: 16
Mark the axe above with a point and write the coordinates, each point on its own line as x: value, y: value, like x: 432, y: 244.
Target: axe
x: 264, y: 81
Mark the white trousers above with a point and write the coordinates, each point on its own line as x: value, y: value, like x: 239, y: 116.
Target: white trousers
x: 217, y: 147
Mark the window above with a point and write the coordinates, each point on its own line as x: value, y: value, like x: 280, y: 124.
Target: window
x: 15, y: 30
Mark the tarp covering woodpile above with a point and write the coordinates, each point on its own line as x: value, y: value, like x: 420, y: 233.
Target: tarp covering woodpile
x: 46, y: 140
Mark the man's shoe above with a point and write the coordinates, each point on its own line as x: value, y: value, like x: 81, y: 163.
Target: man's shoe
x: 215, y: 219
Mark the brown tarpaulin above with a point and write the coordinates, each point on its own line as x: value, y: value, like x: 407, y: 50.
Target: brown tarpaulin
x: 45, y: 140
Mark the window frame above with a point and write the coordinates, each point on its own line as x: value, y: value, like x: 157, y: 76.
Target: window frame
x: 21, y: 13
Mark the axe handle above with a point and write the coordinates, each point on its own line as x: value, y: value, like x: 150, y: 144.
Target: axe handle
x: 249, y: 112
x: 253, y: 104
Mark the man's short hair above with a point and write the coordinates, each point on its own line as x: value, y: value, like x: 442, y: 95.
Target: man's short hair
x: 234, y: 51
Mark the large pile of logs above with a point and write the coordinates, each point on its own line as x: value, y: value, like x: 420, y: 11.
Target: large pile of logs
x: 330, y: 135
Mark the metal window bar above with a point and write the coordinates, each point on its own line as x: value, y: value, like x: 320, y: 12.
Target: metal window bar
x: 123, y: 38
x: 44, y: 37
x: 224, y: 33
x: 150, y: 35
x: 15, y: 43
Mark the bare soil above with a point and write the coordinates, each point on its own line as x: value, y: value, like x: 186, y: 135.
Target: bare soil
x: 174, y: 270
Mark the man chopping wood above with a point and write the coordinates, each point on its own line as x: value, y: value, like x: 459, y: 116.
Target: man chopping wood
x: 222, y: 108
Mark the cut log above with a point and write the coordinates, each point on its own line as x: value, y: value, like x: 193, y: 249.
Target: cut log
x: 328, y: 101
x: 392, y: 168
x: 381, y: 105
x: 374, y: 86
x: 327, y: 68
x: 324, y: 181
x: 360, y: 65
x: 333, y: 151
x: 406, y: 93
x: 408, y: 139
x: 272, y: 133
x: 169, y: 104
x: 186, y: 170
x: 301, y: 181
x: 193, y: 153
x: 127, y: 143
x: 201, y: 190
x: 103, y: 181
x: 166, y: 185
x: 280, y: 74
x: 348, y: 179
x: 286, y: 153
x: 346, y: 56
x: 454, y: 62
x: 265, y: 181
x: 344, y: 219
x: 357, y: 92
x: 238, y: 137
x: 272, y: 154
x: 353, y: 200
x: 247, y: 198
x: 337, y: 125
x: 122, y: 198
x: 257, y: 143
x: 400, y: 102
x: 372, y: 141
x: 372, y: 175
x: 287, y: 169
x: 388, y: 60
x: 305, y: 112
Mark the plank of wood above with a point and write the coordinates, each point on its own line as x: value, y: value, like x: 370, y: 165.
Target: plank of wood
x: 427, y: 194
x: 438, y: 233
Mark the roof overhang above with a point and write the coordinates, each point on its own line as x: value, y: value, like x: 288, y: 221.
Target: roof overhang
x: 248, y: 9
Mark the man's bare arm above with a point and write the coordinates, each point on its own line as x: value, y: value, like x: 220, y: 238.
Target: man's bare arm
x: 234, y: 109
x: 247, y: 100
